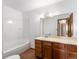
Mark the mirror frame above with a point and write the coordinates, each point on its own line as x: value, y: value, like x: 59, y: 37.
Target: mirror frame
x: 70, y: 25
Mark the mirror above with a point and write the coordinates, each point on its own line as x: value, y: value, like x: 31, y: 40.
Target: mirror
x: 58, y: 25
x: 62, y: 27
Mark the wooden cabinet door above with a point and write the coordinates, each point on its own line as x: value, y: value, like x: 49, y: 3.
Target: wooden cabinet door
x: 59, y: 50
x: 72, y: 52
x: 59, y: 54
x: 38, y: 48
x: 47, y: 51
x: 71, y: 55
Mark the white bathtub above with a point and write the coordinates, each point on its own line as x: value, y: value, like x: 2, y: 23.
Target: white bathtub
x: 17, y: 49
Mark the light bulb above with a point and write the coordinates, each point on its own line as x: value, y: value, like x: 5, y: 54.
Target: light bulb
x: 50, y: 15
x: 10, y: 22
x: 63, y: 21
x: 42, y: 15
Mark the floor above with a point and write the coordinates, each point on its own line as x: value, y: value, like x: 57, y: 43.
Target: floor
x: 29, y: 54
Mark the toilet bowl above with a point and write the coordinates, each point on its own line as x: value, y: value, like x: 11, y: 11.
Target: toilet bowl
x: 13, y: 57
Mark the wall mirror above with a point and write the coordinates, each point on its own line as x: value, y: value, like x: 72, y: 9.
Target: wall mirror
x: 58, y: 25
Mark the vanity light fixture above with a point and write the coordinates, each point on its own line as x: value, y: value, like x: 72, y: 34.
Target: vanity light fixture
x: 50, y: 15
x: 42, y: 15
x: 10, y: 22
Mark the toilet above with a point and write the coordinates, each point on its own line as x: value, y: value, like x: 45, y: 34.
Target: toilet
x: 13, y: 57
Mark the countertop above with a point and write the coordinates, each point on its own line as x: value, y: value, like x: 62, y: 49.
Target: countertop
x: 65, y: 40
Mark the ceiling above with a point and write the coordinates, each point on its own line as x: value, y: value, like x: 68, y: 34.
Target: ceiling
x: 27, y: 5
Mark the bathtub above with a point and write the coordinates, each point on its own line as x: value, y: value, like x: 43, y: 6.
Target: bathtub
x: 17, y: 49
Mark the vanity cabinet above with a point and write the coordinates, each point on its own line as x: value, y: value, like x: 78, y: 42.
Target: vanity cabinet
x: 53, y: 50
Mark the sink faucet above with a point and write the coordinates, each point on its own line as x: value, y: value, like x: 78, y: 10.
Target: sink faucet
x: 47, y: 35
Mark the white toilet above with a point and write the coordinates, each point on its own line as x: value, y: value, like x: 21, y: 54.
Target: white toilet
x: 13, y: 57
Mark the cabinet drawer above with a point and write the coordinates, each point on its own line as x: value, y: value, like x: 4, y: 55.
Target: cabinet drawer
x: 72, y: 48
x: 38, y: 42
x: 59, y: 46
x: 47, y: 43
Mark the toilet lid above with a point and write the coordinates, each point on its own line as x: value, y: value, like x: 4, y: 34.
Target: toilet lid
x: 13, y: 57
